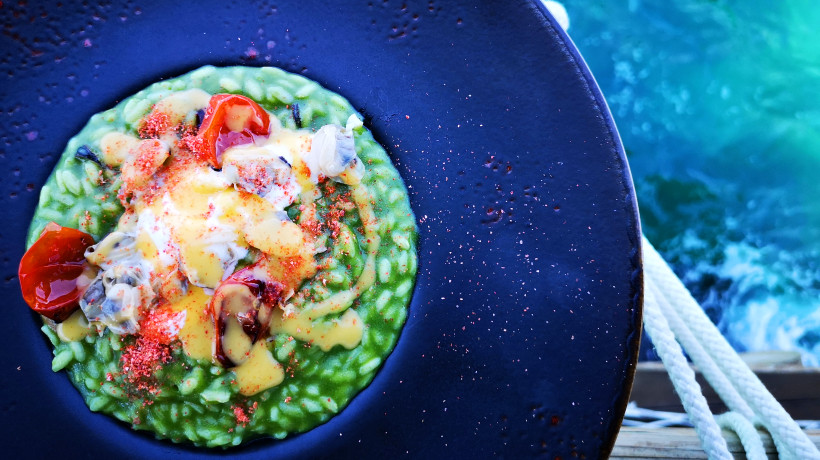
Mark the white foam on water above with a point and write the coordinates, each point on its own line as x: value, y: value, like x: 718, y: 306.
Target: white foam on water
x: 767, y: 304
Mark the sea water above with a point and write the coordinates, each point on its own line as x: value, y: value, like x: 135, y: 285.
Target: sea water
x: 718, y: 105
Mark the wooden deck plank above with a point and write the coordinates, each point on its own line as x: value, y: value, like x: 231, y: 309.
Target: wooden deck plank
x: 675, y: 443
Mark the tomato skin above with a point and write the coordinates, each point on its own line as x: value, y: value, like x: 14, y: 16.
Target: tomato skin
x: 216, y: 133
x: 50, y: 269
x: 256, y: 319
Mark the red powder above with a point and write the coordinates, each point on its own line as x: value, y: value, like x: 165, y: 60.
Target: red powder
x: 123, y: 195
x: 161, y: 325
x: 301, y: 169
x: 311, y: 226
x: 293, y: 364
x: 243, y: 414
x: 241, y: 417
x: 154, y: 124
x: 333, y: 218
x: 140, y: 361
x: 334, y: 215
x: 197, y: 145
x: 257, y: 176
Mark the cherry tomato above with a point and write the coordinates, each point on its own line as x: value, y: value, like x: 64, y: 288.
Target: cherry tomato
x: 247, y: 302
x: 230, y: 120
x: 50, y: 269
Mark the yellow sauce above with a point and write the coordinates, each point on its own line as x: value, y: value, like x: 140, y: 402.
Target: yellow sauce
x: 74, y: 328
x: 197, y: 333
x: 114, y: 147
x: 235, y: 343
x: 260, y: 372
x: 346, y: 331
x: 148, y: 250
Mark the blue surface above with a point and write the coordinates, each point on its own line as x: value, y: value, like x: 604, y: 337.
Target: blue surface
x: 524, y: 326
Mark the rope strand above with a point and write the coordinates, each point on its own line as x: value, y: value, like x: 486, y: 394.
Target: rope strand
x: 683, y: 377
x: 747, y: 433
x: 669, y: 302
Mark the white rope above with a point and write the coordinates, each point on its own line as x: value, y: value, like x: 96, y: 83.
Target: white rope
x: 783, y: 451
x: 682, y: 376
x: 747, y: 433
x: 715, y: 356
x: 710, y: 370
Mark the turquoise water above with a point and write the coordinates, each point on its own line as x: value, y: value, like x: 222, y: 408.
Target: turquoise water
x: 718, y: 105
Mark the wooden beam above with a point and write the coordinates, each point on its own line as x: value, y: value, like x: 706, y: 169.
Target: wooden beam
x: 672, y: 443
x: 796, y: 387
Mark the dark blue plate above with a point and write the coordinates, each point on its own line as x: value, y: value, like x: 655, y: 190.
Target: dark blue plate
x: 524, y: 325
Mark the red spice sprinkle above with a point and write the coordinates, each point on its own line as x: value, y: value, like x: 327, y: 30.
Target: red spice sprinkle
x: 141, y: 360
x: 240, y: 415
x: 287, y: 400
x: 293, y: 365
x: 257, y: 176
x: 186, y: 130
x: 152, y: 349
x: 123, y: 195
x: 311, y: 226
x: 197, y: 145
x: 154, y: 124
x: 162, y: 325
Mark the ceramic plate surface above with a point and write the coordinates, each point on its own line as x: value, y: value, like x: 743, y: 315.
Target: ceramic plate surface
x: 524, y: 325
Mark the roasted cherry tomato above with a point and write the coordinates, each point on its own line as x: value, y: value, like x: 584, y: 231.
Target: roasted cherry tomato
x: 241, y: 308
x: 50, y: 270
x: 230, y: 120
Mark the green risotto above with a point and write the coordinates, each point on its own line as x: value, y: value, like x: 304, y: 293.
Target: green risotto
x: 362, y: 261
